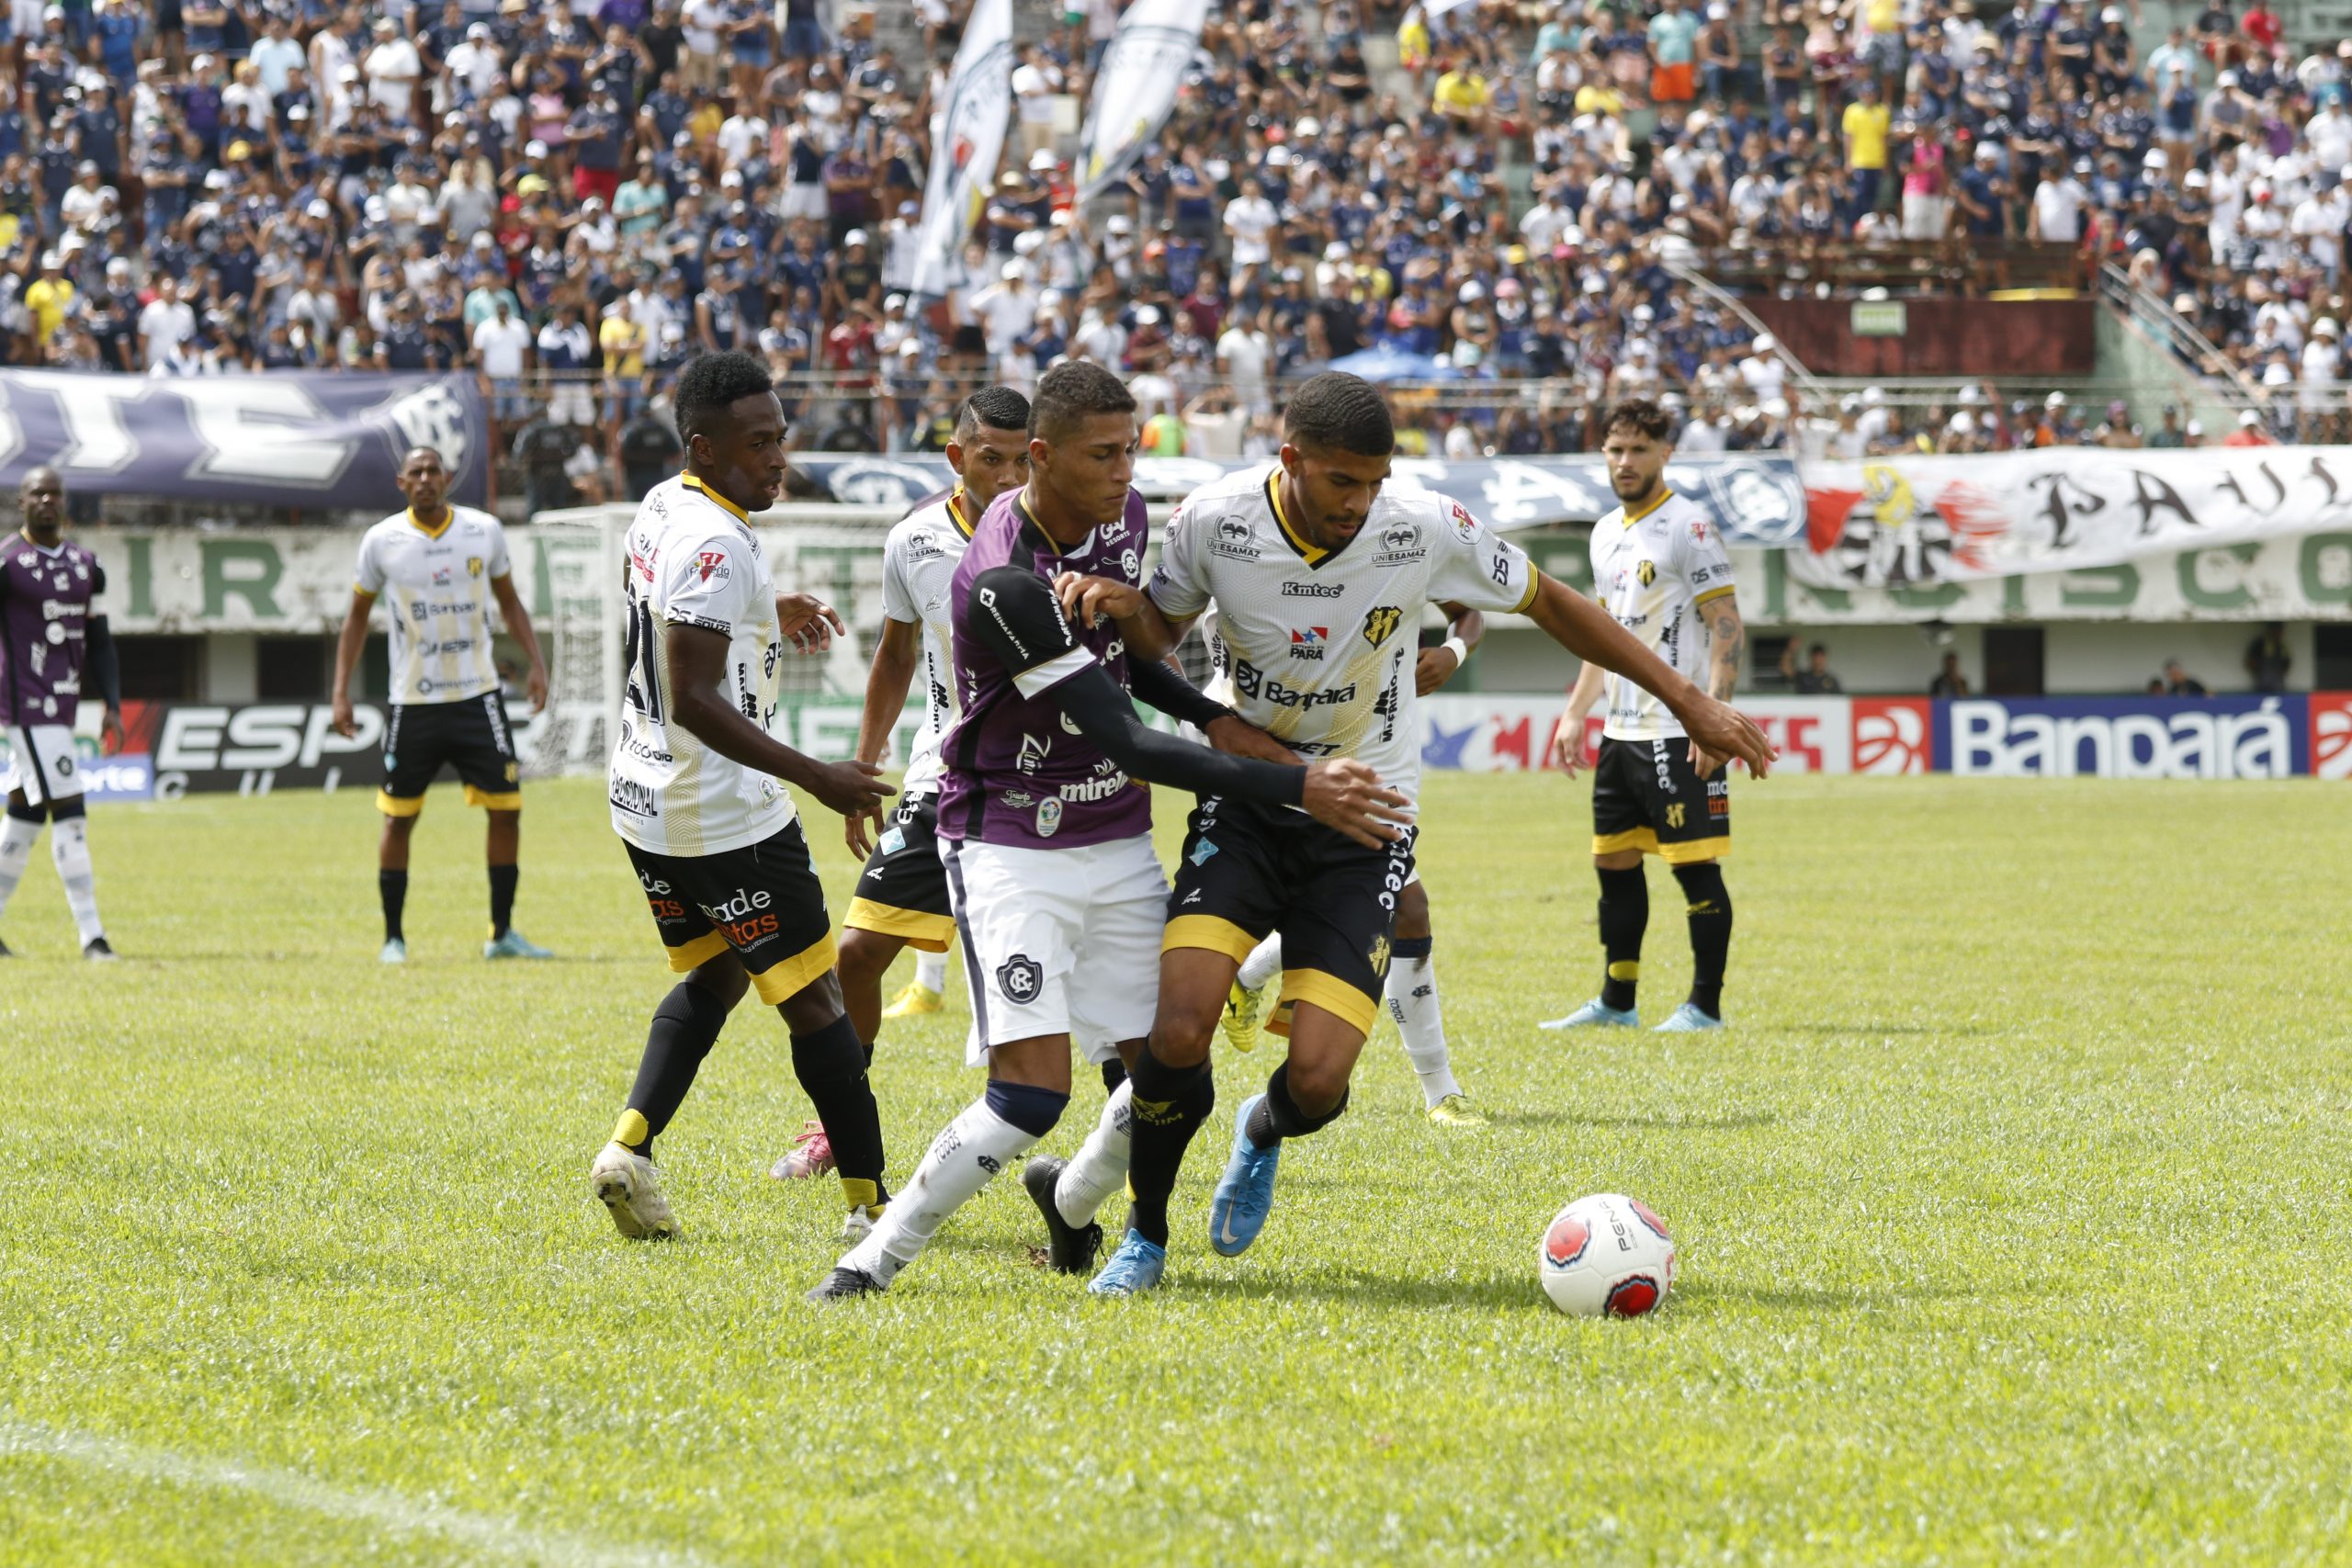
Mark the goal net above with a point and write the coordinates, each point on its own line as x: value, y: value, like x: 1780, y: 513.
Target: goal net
x: 832, y: 552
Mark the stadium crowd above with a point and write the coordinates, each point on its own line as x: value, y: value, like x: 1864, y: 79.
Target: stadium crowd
x: 572, y: 199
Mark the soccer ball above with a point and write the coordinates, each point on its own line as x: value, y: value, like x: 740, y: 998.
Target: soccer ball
x: 1606, y: 1256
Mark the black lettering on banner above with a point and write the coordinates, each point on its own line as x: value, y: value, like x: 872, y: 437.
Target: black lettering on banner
x: 2153, y: 496
x: 2060, y: 511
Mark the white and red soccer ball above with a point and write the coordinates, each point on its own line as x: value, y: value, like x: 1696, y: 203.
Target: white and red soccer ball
x: 1606, y: 1256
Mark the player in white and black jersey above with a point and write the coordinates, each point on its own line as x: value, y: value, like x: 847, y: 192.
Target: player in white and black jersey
x: 1658, y: 565
x: 697, y: 794
x: 1314, y: 570
x: 901, y: 898
x: 1411, y: 985
x: 438, y: 567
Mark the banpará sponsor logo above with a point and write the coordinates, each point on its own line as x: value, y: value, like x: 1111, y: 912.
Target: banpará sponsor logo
x: 2148, y: 740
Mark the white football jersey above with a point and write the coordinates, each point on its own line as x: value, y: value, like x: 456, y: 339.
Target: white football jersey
x: 693, y: 561
x: 436, y: 588
x: 918, y: 562
x: 1652, y: 572
x: 1320, y: 644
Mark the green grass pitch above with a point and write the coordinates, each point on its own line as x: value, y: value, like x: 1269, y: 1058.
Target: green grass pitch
x: 2011, y: 1212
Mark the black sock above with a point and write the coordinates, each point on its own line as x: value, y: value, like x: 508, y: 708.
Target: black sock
x: 1278, y: 1116
x: 501, y: 898
x: 1625, y: 916
x: 685, y: 1027
x: 1170, y: 1104
x: 392, y: 886
x: 1710, y: 914
x: 1114, y: 1073
x: 830, y: 1065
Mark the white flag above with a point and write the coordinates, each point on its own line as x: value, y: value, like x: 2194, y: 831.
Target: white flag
x: 967, y: 139
x: 1136, y: 86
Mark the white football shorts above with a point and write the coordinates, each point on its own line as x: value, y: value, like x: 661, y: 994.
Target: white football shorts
x: 41, y: 764
x: 1059, y: 942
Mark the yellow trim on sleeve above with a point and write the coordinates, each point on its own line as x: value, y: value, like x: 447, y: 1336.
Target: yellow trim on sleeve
x: 505, y: 800
x: 780, y: 982
x: 1333, y: 994
x: 1642, y: 838
x: 708, y: 945
x: 931, y: 933
x: 1534, y: 586
x: 694, y: 482
x: 399, y: 806
x: 1714, y: 593
x: 1212, y: 932
x: 1692, y: 850
x: 360, y: 590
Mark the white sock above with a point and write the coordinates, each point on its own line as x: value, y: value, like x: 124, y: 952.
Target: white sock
x: 964, y: 1159
x: 930, y: 970
x: 1100, y: 1168
x: 16, y: 854
x: 69, y: 846
x: 1265, y: 961
x: 1412, y: 1002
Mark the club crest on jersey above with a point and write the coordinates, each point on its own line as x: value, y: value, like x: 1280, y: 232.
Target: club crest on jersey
x: 1647, y: 572
x: 473, y: 566
x: 1380, y: 623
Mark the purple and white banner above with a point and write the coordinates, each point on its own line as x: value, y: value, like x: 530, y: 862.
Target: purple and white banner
x: 288, y: 438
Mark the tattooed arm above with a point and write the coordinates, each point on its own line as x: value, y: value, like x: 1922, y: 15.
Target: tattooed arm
x: 1727, y: 639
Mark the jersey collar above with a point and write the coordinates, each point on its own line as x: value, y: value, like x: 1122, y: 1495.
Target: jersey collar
x: 449, y: 516
x: 1664, y: 495
x: 694, y: 482
x: 56, y: 549
x: 1314, y: 555
x: 956, y: 502
x: 1032, y: 533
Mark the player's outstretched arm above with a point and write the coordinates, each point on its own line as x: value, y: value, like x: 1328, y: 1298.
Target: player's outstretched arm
x: 1144, y: 626
x: 519, y: 627
x: 894, y: 656
x: 105, y: 667
x: 697, y: 661
x: 1344, y: 794
x: 1589, y: 632
x: 347, y: 646
x: 1163, y: 686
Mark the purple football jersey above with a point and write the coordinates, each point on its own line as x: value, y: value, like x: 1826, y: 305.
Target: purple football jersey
x: 46, y: 600
x: 1016, y: 772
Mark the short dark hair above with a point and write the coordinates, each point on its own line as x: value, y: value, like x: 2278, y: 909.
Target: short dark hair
x: 1641, y: 415
x: 1342, y: 410
x: 999, y: 408
x: 709, y: 384
x: 1075, y: 390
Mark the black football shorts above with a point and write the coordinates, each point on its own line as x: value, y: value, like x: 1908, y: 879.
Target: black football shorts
x: 1646, y: 796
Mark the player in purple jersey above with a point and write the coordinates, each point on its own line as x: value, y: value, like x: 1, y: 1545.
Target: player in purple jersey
x: 1046, y: 828
x: 53, y: 631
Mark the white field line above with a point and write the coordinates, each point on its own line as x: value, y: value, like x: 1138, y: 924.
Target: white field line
x: 483, y: 1533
